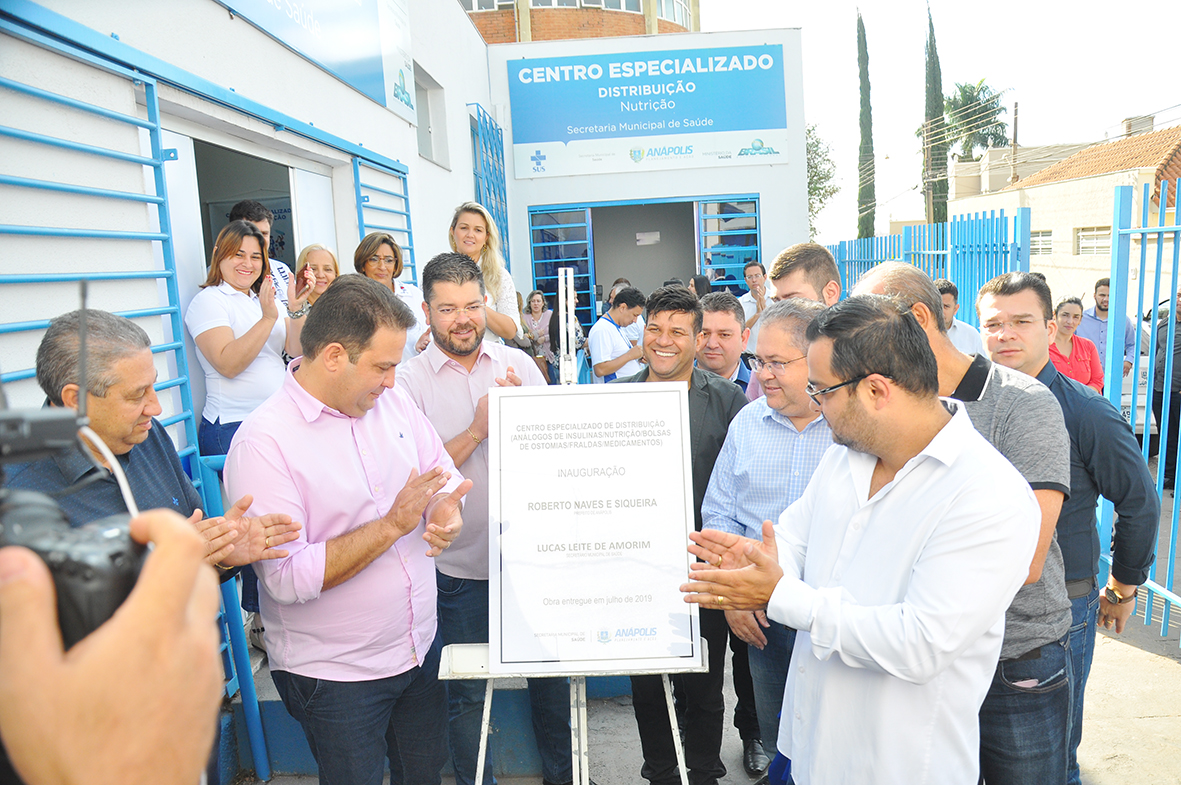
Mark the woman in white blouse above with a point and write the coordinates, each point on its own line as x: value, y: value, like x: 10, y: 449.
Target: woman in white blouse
x: 474, y: 233
x: 235, y: 321
x: 380, y: 257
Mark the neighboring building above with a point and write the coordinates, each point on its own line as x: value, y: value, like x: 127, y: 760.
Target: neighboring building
x: 994, y: 169
x: 509, y: 21
x: 1071, y: 208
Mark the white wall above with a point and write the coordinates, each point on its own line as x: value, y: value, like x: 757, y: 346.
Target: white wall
x: 782, y: 187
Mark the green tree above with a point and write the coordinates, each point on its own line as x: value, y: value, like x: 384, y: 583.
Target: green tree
x: 865, y: 166
x: 821, y: 172
x: 934, y: 134
x: 973, y: 118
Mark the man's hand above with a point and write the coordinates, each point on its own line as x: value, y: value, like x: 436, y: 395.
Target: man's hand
x: 760, y: 295
x: 423, y: 341
x: 510, y: 379
x: 443, y: 519
x: 745, y: 588
x: 133, y: 703
x: 411, y: 501
x: 749, y: 627
x: 258, y: 538
x: 721, y: 549
x: 218, y: 533
x: 1127, y: 367
x: 479, y: 424
x: 1116, y: 614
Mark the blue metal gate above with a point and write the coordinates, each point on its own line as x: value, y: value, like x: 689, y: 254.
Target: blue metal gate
x: 383, y: 205
x: 1161, y: 230
x: 561, y: 238
x: 488, y: 170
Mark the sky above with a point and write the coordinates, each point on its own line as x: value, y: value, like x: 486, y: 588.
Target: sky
x: 1076, y: 69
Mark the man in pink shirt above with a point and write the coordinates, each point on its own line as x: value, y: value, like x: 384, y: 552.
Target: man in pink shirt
x: 449, y: 382
x: 350, y: 613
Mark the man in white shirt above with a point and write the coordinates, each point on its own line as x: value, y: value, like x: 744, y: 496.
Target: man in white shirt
x: 612, y: 353
x: 963, y: 336
x: 900, y: 558
x: 754, y: 302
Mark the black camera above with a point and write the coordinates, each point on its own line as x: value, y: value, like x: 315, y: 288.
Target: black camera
x: 94, y: 566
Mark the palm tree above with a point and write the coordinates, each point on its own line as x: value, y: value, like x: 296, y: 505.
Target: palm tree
x: 973, y: 118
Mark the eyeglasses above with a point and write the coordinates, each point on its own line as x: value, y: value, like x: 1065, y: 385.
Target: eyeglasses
x: 381, y: 261
x: 816, y: 395
x: 1020, y: 325
x: 774, y: 366
x: 447, y: 312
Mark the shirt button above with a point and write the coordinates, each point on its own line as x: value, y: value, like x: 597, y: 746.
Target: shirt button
x: 377, y: 487
x: 364, y: 453
x: 857, y: 526
x: 799, y: 715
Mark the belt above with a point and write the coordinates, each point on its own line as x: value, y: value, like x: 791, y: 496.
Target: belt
x: 1032, y: 654
x: 1080, y: 588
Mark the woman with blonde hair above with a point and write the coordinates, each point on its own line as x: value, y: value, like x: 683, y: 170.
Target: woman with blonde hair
x: 324, y: 269
x: 474, y: 234
x: 240, y: 334
x: 380, y: 257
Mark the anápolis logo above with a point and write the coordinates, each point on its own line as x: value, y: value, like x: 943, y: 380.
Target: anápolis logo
x: 758, y: 148
x: 627, y: 633
x: 675, y: 151
x: 605, y: 635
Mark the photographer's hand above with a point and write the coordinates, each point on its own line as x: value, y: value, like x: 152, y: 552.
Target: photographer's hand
x: 134, y: 702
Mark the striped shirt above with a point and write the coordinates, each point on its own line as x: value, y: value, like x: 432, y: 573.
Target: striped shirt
x: 764, y: 466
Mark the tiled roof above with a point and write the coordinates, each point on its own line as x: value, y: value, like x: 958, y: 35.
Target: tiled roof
x: 1158, y: 150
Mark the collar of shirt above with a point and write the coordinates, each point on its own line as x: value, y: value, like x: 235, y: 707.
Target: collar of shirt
x: 437, y: 359
x: 230, y: 291
x: 945, y: 447
x: 309, y: 406
x: 975, y: 379
x: 1047, y: 374
x: 771, y: 414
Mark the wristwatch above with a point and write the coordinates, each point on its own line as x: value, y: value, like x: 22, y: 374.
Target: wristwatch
x: 1112, y: 596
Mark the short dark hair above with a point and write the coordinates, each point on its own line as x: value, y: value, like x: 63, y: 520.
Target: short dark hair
x: 1068, y: 301
x: 911, y: 285
x: 749, y: 265
x: 1008, y: 284
x: 109, y: 338
x: 1103, y: 282
x: 673, y: 282
x: 628, y: 297
x: 675, y: 298
x: 251, y: 210
x: 875, y: 333
x: 450, y: 267
x: 349, y: 313
x: 724, y: 302
x: 793, y: 315
x: 947, y: 287
x: 815, y: 260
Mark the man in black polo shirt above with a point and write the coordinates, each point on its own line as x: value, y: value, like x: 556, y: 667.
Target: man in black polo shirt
x: 672, y: 338
x: 122, y: 407
x: 1016, y: 322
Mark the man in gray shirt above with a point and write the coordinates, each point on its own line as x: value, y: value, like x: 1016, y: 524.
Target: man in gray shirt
x: 1025, y: 718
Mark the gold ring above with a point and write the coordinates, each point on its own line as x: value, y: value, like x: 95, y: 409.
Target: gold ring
x: 719, y: 564
x: 268, y: 542
x: 721, y: 599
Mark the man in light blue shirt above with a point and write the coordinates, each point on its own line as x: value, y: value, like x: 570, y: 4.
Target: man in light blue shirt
x: 1094, y: 326
x: 771, y: 450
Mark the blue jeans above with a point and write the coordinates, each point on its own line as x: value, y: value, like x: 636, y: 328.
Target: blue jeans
x: 214, y: 438
x: 463, y: 618
x: 1084, y: 616
x: 768, y: 670
x: 352, y: 727
x: 1025, y: 719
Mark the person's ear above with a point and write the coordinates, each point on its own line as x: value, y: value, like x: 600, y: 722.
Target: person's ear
x: 831, y: 293
x: 69, y: 396
x: 334, y: 357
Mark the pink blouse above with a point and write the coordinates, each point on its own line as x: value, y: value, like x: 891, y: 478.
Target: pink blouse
x: 1083, y: 363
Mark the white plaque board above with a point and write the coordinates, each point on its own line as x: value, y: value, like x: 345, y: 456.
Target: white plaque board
x: 590, y: 507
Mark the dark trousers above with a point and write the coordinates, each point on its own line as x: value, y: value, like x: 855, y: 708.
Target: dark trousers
x: 746, y: 718
x: 1168, y: 446
x: 704, y: 712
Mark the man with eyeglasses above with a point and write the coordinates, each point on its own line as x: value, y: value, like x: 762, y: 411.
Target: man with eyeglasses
x: 895, y: 565
x: 1023, y: 728
x: 771, y: 451
x: 449, y: 382
x: 1016, y: 318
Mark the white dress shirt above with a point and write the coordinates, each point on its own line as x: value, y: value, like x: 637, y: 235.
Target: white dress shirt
x: 964, y: 337
x: 908, y: 590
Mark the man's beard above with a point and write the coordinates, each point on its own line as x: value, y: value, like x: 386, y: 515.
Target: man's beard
x: 452, y: 347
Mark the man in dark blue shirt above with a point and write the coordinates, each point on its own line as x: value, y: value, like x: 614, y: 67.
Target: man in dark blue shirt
x: 122, y: 407
x: 1016, y: 322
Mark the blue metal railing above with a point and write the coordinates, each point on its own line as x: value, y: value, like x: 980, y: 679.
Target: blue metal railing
x: 161, y: 240
x: 969, y: 251
x: 364, y: 174
x: 1162, y: 273
x: 726, y: 249
x: 562, y: 238
x: 488, y: 169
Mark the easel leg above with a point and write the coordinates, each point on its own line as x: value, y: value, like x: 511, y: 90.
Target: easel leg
x: 672, y: 721
x: 578, y: 731
x: 485, y: 724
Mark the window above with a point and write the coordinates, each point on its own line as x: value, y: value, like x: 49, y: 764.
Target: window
x: 1039, y: 244
x: 623, y: 5
x: 676, y: 11
x: 432, y: 117
x: 614, y: 5
x: 1092, y: 241
x: 556, y: 3
x: 487, y: 5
